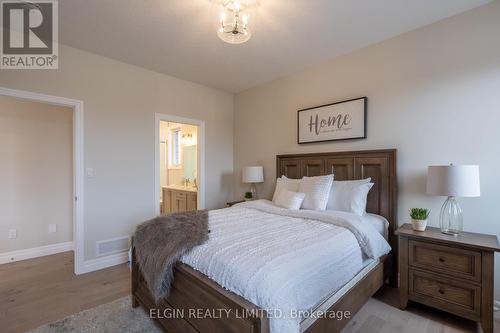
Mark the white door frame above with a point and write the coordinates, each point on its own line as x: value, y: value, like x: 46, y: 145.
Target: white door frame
x: 201, y: 156
x: 77, y: 106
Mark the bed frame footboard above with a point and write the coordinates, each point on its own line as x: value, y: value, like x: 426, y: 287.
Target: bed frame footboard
x: 198, y: 304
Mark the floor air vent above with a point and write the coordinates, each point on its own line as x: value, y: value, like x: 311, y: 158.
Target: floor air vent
x: 114, y: 245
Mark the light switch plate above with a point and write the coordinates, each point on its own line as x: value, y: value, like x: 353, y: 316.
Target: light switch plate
x: 12, y: 233
x: 52, y: 227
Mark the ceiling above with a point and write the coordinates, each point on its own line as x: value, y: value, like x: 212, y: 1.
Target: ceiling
x: 178, y: 37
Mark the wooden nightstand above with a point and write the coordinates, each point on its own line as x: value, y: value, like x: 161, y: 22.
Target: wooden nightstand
x: 453, y: 274
x: 232, y: 203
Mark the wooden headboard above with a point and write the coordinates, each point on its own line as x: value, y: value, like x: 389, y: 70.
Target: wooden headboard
x: 380, y: 165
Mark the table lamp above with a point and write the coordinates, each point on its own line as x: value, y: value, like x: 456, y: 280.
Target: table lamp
x: 252, y: 175
x: 452, y: 181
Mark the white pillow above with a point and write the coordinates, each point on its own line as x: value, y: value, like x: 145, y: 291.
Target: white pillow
x: 317, y: 191
x: 290, y: 200
x: 349, y: 196
x: 287, y: 184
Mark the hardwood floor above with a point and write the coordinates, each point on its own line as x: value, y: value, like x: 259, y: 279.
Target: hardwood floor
x: 38, y: 291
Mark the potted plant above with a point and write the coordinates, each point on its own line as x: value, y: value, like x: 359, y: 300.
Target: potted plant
x: 248, y: 196
x: 419, y: 218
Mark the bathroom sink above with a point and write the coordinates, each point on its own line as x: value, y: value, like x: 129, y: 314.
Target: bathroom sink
x: 182, y: 188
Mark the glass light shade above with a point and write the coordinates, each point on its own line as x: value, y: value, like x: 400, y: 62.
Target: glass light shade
x: 234, y: 21
x: 238, y: 5
x: 188, y: 140
x: 234, y: 34
x: 451, y: 219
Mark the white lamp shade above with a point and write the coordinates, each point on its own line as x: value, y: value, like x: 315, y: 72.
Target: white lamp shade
x: 453, y: 180
x: 253, y: 174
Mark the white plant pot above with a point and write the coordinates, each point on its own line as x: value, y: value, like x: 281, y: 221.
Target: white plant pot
x: 419, y: 225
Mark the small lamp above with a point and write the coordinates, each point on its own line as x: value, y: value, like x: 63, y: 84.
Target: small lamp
x: 252, y: 175
x: 452, y: 181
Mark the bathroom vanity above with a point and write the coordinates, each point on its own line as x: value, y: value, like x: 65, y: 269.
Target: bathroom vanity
x: 179, y: 199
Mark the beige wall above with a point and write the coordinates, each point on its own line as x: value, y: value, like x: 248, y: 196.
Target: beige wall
x: 36, y: 173
x: 120, y: 101
x: 434, y: 94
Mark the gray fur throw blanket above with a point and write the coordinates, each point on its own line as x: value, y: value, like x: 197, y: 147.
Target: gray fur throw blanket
x: 160, y: 242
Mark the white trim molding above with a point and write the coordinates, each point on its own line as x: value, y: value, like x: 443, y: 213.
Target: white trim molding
x: 201, y: 156
x: 103, y: 262
x: 78, y: 218
x: 35, y: 252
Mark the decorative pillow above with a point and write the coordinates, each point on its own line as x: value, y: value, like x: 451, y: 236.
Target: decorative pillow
x: 317, y: 191
x: 350, y: 196
x: 287, y: 184
x: 289, y: 200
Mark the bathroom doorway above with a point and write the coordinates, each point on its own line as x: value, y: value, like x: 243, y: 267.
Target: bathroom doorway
x: 179, y: 164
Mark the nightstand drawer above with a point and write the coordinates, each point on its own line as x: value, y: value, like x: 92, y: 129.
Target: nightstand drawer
x: 453, y: 261
x: 451, y: 295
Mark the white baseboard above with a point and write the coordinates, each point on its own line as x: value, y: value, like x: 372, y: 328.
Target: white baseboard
x: 104, y: 262
x: 35, y: 252
x: 87, y: 266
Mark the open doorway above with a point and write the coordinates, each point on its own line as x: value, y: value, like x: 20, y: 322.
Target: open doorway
x: 43, y: 141
x: 179, y: 164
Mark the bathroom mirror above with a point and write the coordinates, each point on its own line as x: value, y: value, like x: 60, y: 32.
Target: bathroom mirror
x: 190, y: 162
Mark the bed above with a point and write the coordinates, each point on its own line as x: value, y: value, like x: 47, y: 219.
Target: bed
x: 199, y: 303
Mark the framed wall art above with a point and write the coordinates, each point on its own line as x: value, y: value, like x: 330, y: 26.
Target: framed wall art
x: 344, y: 120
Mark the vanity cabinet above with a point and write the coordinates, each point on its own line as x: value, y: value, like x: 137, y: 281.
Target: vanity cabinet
x: 192, y: 201
x: 176, y: 200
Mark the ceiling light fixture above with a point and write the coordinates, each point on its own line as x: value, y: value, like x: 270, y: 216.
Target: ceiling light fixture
x: 234, y: 21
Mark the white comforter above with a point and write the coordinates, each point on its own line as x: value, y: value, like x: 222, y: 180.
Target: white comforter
x: 285, y: 261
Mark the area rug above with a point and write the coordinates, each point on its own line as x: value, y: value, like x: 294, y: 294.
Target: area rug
x: 117, y: 316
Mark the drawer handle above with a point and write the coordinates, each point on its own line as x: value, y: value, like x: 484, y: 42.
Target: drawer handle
x: 441, y: 259
x: 441, y: 291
